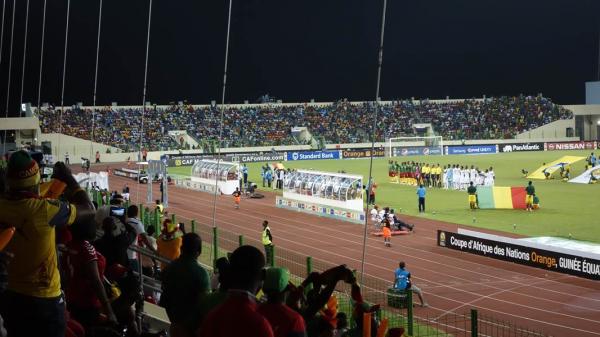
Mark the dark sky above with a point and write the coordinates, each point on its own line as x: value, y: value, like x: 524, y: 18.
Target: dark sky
x: 298, y: 50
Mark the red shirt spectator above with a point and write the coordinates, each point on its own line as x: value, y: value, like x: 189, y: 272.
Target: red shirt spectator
x: 246, y: 321
x: 285, y: 322
x: 80, y: 292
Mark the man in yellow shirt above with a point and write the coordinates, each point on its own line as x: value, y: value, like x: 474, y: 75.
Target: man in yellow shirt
x: 436, y: 172
x: 267, y: 241
x: 169, y: 242
x: 33, y: 304
x: 426, y: 171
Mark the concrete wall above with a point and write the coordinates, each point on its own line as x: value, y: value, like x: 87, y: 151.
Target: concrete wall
x: 19, y: 123
x: 76, y: 147
x: 591, y: 117
x: 552, y: 131
x: 27, y: 129
x: 584, y: 109
x: 592, y: 92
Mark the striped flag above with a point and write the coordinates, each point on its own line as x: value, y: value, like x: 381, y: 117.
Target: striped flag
x: 497, y: 197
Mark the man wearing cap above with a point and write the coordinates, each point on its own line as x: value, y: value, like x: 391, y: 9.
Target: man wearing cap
x: 284, y: 321
x: 267, y: 241
x: 33, y: 304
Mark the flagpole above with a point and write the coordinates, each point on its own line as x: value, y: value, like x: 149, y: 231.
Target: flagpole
x: 370, y: 181
x: 214, y: 212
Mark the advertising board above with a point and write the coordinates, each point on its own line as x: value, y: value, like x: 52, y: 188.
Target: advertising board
x: 415, y: 151
x: 122, y: 173
x: 472, y: 149
x: 321, y: 210
x: 521, y: 147
x: 313, y: 155
x: 363, y: 153
x: 583, y: 145
x: 255, y: 157
x: 175, y: 160
x: 522, y: 254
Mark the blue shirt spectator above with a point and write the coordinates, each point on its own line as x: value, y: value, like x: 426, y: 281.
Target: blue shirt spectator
x: 401, y: 278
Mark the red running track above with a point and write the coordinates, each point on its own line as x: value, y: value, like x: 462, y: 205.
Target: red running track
x: 555, y: 304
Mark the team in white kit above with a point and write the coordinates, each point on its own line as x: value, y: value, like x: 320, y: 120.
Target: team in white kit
x: 458, y: 177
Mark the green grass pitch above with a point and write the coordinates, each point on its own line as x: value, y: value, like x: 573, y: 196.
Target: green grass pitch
x: 566, y: 208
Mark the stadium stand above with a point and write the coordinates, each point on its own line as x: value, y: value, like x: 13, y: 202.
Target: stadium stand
x: 268, y: 125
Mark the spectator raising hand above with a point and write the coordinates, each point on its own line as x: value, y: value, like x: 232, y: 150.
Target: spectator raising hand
x: 27, y: 308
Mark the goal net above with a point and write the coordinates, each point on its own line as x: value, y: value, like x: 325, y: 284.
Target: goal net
x: 415, y: 146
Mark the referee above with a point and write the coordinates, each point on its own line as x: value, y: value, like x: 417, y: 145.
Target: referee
x: 421, y: 193
x: 267, y: 241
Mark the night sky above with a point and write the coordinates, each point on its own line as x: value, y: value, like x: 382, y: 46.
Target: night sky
x: 298, y: 50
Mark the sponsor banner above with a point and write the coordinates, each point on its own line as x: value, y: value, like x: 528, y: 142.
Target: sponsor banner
x: 530, y: 256
x: 254, y: 157
x: 123, y: 173
x: 416, y: 151
x: 190, y: 159
x: 313, y: 155
x: 363, y: 153
x: 521, y: 147
x: 321, y: 210
x: 184, y: 159
x: 472, y: 149
x: 196, y: 186
x: 584, y: 145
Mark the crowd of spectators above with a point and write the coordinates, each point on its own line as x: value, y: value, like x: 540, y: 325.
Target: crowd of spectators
x: 69, y: 272
x: 339, y: 122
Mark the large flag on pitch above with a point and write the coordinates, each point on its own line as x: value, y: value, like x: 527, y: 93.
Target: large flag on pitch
x: 553, y: 166
x: 586, y: 176
x: 493, y: 197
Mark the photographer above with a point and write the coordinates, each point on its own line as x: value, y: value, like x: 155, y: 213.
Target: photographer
x: 113, y: 245
x: 116, y: 210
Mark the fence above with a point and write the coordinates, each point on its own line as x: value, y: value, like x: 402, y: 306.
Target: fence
x: 397, y: 311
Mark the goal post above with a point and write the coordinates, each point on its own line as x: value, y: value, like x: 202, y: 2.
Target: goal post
x: 415, y: 146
